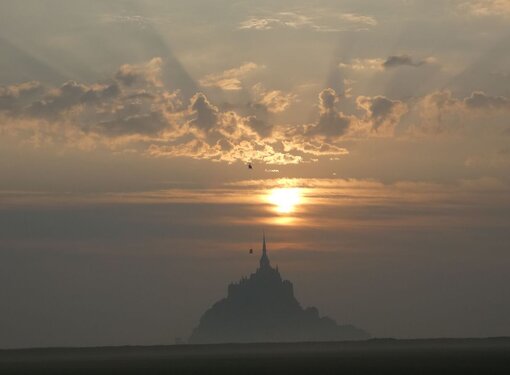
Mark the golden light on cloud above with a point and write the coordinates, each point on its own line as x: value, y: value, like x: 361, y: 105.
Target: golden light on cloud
x: 285, y: 200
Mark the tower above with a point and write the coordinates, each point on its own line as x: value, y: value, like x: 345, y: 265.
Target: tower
x: 264, y: 260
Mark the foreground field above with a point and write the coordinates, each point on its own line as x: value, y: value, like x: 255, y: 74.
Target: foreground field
x: 467, y: 356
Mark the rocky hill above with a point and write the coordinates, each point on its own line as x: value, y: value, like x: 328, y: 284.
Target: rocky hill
x: 262, y: 308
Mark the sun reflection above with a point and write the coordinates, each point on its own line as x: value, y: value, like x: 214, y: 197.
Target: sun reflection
x: 285, y: 200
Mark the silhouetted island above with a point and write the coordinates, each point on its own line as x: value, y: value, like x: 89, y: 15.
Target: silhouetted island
x: 262, y: 308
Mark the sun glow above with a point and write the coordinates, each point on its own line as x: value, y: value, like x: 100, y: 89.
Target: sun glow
x: 285, y: 199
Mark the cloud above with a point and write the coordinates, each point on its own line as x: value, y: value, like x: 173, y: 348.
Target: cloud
x: 441, y: 111
x: 154, y: 121
x: 230, y: 80
x: 274, y: 101
x: 378, y: 64
x: 318, y: 20
x: 354, y: 18
x: 260, y: 23
x: 480, y: 100
x: 380, y: 117
x: 484, y: 8
x: 150, y: 123
x: 132, y: 103
x: 364, y: 64
x: 12, y: 97
x: 261, y: 127
x: 280, y: 19
x: 332, y: 123
x: 223, y: 150
x: 205, y: 115
x: 405, y: 60
x: 132, y: 112
x: 315, y: 148
x: 70, y: 95
x: 476, y: 101
x: 209, y: 133
x: 145, y: 73
x: 214, y: 124
x: 432, y: 110
x: 137, y: 20
x: 381, y: 114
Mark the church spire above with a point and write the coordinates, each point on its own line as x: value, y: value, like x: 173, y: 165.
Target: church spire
x: 264, y: 260
x: 264, y: 251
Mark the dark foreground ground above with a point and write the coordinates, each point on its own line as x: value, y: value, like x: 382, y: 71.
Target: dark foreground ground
x: 466, y: 356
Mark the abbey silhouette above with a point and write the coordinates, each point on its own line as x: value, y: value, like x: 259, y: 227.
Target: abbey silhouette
x: 262, y: 308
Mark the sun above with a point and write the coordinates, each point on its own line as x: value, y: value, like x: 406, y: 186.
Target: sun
x: 285, y: 199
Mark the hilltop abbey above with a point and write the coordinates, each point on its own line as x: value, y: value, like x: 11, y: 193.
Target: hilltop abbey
x: 262, y: 308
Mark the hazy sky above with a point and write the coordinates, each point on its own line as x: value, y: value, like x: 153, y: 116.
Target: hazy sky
x: 378, y: 130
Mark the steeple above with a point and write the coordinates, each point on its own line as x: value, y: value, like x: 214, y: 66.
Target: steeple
x: 264, y: 250
x: 264, y: 260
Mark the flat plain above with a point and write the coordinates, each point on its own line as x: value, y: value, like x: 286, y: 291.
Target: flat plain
x: 377, y: 356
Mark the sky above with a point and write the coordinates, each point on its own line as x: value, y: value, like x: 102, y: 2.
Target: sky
x: 378, y: 132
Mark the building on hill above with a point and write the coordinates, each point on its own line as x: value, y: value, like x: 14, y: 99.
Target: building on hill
x: 262, y: 308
